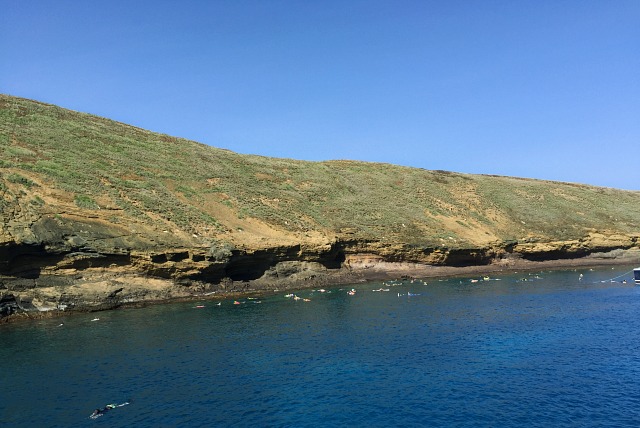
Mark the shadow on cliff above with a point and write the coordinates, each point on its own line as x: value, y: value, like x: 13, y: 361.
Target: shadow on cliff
x: 28, y: 261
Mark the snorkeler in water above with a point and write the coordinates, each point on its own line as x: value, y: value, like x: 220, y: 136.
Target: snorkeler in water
x: 99, y: 412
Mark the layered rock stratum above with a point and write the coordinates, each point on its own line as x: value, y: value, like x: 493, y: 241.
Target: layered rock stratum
x: 98, y: 214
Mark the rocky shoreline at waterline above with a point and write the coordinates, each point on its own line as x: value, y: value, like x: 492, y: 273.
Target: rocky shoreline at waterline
x: 94, y: 291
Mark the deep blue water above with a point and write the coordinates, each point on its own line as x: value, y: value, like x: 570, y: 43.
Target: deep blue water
x: 550, y: 351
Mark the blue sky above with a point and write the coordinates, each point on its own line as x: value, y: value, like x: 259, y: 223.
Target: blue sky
x: 540, y: 89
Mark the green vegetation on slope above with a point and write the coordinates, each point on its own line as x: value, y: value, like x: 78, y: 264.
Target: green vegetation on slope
x: 158, y: 179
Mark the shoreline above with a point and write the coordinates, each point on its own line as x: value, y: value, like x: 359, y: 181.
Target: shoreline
x: 354, y: 274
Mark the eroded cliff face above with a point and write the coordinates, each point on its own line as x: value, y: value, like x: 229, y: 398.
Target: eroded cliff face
x: 65, y: 262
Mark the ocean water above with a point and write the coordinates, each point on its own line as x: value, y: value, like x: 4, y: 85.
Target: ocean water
x: 555, y: 350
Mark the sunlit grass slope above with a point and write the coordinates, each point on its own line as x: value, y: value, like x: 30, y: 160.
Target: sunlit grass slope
x: 125, y: 174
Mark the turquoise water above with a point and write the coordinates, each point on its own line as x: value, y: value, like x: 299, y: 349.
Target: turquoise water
x: 550, y: 351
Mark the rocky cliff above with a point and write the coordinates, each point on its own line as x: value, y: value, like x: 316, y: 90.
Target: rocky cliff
x: 97, y: 214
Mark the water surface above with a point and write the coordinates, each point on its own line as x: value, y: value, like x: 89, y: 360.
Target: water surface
x: 554, y: 350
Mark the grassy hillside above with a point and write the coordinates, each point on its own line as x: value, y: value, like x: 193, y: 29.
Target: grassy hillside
x: 59, y: 162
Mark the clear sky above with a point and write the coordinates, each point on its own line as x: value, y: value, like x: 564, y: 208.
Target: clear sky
x: 545, y: 89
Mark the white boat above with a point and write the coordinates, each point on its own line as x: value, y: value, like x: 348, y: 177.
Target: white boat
x: 636, y: 275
